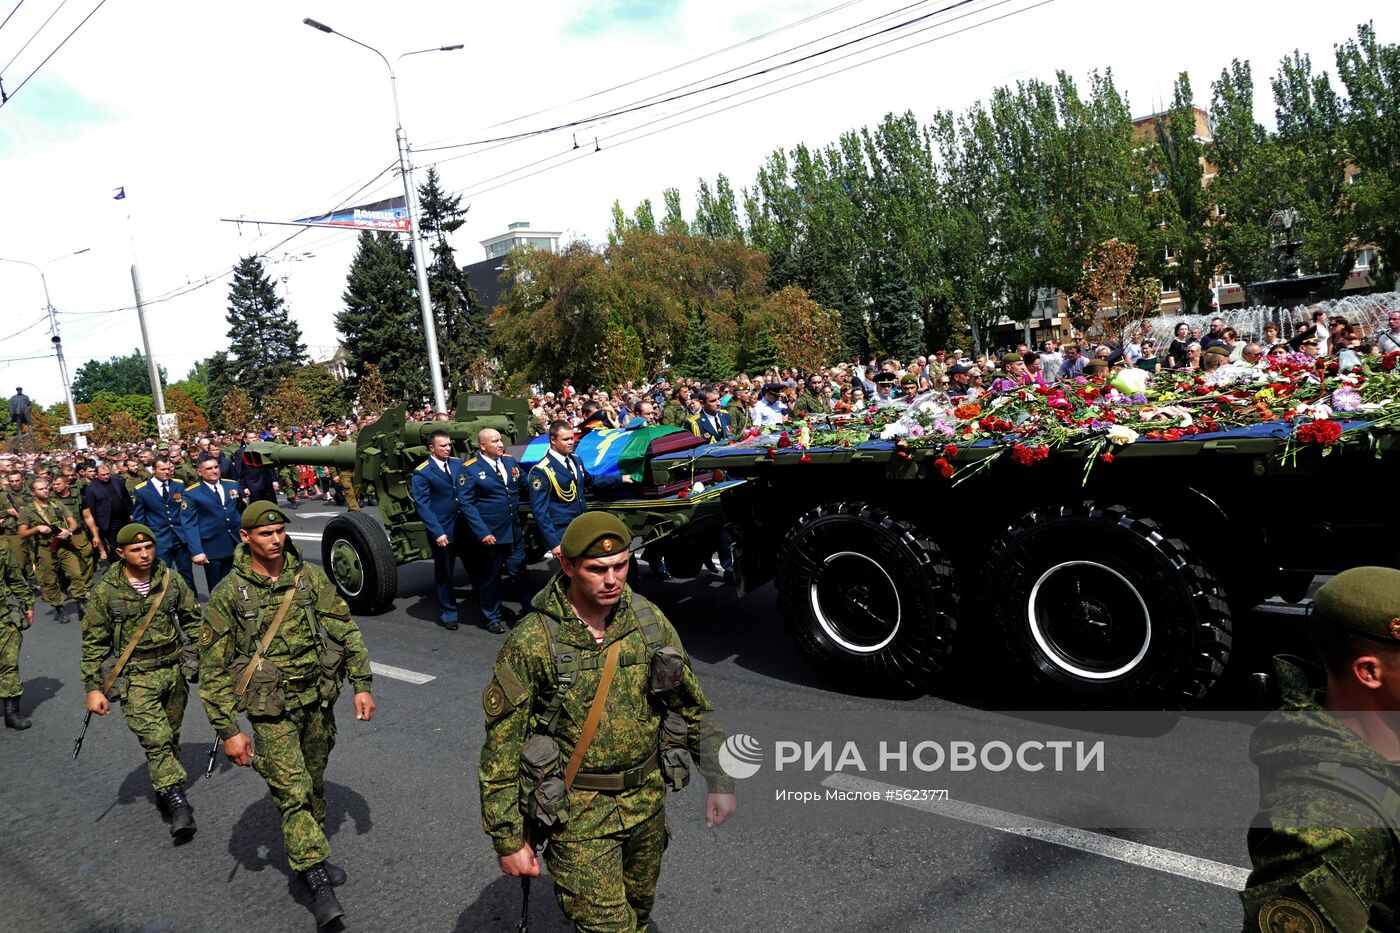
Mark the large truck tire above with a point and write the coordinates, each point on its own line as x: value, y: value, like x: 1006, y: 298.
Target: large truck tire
x: 868, y: 597
x: 1102, y: 608
x: 358, y: 558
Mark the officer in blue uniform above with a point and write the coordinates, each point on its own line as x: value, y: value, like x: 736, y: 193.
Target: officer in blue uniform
x: 488, y: 496
x: 560, y: 486
x: 156, y: 503
x: 217, y: 514
x: 711, y: 422
x: 434, y: 488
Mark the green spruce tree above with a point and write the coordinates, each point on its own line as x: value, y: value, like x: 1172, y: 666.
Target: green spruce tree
x: 895, y: 316
x: 381, y: 322
x: 264, y: 342
x: 462, y: 332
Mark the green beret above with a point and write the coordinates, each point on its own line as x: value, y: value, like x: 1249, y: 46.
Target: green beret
x: 134, y: 533
x: 1008, y: 358
x: 1219, y: 349
x: 594, y: 534
x: 113, y: 452
x: 908, y: 381
x: 1366, y: 599
x: 262, y: 513
x: 1095, y: 365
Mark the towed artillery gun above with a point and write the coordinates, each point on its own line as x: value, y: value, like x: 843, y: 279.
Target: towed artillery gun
x: 362, y: 557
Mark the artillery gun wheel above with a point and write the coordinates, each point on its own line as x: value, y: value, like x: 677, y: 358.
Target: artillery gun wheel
x: 867, y: 596
x: 1099, y: 605
x: 359, y: 560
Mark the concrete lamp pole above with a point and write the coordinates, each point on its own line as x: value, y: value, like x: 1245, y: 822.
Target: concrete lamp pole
x: 411, y: 206
x: 79, y: 440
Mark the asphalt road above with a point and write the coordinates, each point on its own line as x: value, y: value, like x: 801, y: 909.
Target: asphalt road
x: 85, y: 849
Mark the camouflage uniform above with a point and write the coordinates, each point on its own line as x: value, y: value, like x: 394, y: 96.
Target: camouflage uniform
x: 1324, y: 858
x: 290, y: 476
x: 81, y: 540
x: 16, y: 598
x: 606, y: 856
x: 59, y: 568
x: 345, y: 480
x: 9, y: 531
x: 738, y: 417
x: 808, y: 404
x: 674, y: 413
x: 291, y: 749
x: 153, y: 703
x: 186, y: 473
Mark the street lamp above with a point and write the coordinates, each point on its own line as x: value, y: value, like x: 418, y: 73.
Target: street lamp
x: 80, y: 441
x: 410, y: 205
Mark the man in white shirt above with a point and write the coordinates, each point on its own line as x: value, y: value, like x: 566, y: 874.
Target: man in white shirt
x: 769, y: 412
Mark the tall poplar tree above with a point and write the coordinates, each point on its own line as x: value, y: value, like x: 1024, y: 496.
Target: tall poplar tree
x: 264, y: 342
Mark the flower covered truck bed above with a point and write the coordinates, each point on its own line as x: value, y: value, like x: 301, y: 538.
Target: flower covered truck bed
x: 1106, y: 536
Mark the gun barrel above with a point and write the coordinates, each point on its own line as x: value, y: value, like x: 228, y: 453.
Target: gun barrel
x: 341, y: 456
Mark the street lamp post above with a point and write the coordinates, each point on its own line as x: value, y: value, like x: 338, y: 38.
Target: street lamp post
x: 411, y: 206
x: 79, y: 440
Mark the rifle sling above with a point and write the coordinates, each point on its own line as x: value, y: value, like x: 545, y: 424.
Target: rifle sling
x: 595, y: 714
x: 267, y: 638
x: 140, y: 631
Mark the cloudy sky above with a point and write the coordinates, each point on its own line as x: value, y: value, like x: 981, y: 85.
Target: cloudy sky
x: 205, y: 111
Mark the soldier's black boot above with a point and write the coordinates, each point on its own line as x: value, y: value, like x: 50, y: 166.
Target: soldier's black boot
x: 59, y: 615
x: 324, y: 906
x: 336, y: 874
x: 13, y: 719
x: 181, y: 816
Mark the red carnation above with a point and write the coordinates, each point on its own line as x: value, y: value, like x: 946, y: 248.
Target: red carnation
x: 1106, y: 458
x: 772, y: 454
x: 951, y: 451
x: 804, y: 459
x: 944, y: 468
x: 1023, y: 455
x: 1389, y: 361
x: 1321, y: 433
x: 784, y: 440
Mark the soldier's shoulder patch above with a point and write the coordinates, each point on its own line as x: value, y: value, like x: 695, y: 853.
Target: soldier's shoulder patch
x: 1288, y: 915
x: 420, y: 466
x: 142, y: 484
x: 493, y: 700
x: 206, y: 635
x: 536, y: 483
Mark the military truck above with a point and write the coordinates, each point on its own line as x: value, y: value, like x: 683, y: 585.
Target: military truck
x: 1109, y: 586
x: 361, y: 555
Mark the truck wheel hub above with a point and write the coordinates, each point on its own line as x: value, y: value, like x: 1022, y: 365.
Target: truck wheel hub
x: 1089, y: 620
x: 856, y: 602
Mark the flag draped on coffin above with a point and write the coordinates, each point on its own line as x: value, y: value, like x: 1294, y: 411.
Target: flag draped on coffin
x: 609, y: 452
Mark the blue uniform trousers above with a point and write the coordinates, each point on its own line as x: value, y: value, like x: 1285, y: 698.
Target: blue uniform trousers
x: 491, y: 567
x: 216, y: 570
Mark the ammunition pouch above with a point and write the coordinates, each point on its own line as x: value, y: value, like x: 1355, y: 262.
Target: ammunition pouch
x: 667, y: 668
x: 266, y: 694
x: 543, y: 797
x: 332, y: 658
x: 189, y: 662
x: 675, y: 756
x: 115, y: 692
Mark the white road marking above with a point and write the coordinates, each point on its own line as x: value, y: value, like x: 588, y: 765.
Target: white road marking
x: 317, y: 514
x: 1134, y: 853
x: 303, y: 536
x: 399, y: 673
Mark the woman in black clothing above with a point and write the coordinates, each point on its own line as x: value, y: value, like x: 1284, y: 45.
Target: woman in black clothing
x: 1181, y: 340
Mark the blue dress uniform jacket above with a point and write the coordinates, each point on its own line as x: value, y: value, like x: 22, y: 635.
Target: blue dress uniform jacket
x: 435, y: 495
x: 492, y: 506
x: 715, y: 428
x: 217, y: 525
x: 177, y: 538
x: 558, y: 497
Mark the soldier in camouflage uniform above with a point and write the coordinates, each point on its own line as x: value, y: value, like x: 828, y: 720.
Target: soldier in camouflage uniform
x: 677, y: 408
x: 58, y: 566
x: 12, y: 499
x: 1326, y: 844
x: 345, y: 478
x: 609, y: 822
x: 152, y: 684
x: 289, y: 700
x: 16, y: 615
x: 69, y: 498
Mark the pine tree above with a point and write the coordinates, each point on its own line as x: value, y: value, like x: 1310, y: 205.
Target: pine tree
x: 701, y: 356
x: 381, y: 322
x: 895, y: 316
x: 264, y: 342
x: 462, y: 333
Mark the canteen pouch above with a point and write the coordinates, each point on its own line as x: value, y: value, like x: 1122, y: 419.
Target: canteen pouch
x: 265, y: 695
x: 542, y: 781
x: 675, y: 757
x: 667, y: 666
x: 189, y: 662
x: 118, y: 689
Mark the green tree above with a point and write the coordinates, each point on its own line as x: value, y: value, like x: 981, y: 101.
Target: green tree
x: 381, y: 321
x: 895, y: 316
x: 289, y: 406
x: 121, y: 375
x: 264, y: 342
x: 462, y: 333
x: 1246, y: 161
x: 236, y: 411
x: 325, y: 393
x: 701, y: 356
x: 1184, y: 206
x: 1370, y: 72
x: 192, y: 419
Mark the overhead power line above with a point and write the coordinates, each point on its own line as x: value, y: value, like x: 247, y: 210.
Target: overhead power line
x: 11, y: 95
x: 42, y: 27
x: 12, y: 13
